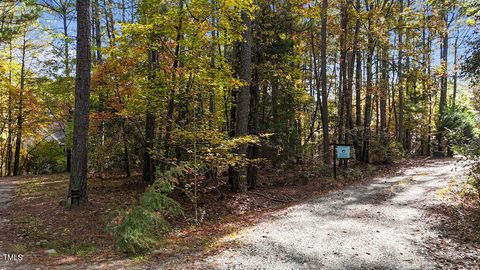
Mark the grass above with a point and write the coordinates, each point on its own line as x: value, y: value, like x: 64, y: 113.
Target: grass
x: 85, y: 250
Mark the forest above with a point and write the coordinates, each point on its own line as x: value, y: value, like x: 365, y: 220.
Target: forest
x: 194, y: 101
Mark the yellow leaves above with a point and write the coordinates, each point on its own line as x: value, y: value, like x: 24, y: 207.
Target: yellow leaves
x: 305, y: 99
x: 2, y: 70
x: 244, y: 5
x: 442, y: 70
x: 232, y: 236
x: 471, y: 21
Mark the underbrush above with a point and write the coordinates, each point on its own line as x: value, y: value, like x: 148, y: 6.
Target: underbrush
x: 474, y: 179
x: 142, y: 227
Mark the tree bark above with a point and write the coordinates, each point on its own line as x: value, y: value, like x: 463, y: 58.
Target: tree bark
x: 98, y: 32
x: 148, y: 163
x: 349, y: 93
x: 253, y: 122
x: 8, y: 164
x: 400, y: 129
x: 455, y: 69
x: 96, y: 36
x: 323, y: 77
x: 408, y: 90
x: 368, y: 96
x: 425, y: 90
x: 109, y: 21
x: 243, y: 102
x: 443, y: 82
x: 383, y: 100
x: 343, y: 87
x: 66, y: 48
x: 431, y: 93
x: 358, y: 88
x: 123, y: 11
x: 78, y: 175
x: 126, y: 152
x: 18, y: 143
x: 171, y: 101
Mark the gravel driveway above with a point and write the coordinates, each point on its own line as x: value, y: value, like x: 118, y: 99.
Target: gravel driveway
x: 378, y: 225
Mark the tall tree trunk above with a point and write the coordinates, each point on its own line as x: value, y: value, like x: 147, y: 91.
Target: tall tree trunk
x: 425, y: 90
x: 391, y: 91
x: 383, y: 100
x: 407, y: 142
x: 455, y: 69
x: 171, y: 101
x: 98, y: 32
x: 78, y: 175
x: 317, y: 91
x: 349, y: 93
x: 232, y: 173
x: 443, y: 82
x: 109, y: 21
x: 123, y: 11
x: 66, y: 50
x: 148, y: 163
x: 243, y: 101
x: 431, y: 93
x: 18, y: 143
x: 253, y: 116
x: 253, y: 124
x: 400, y: 128
x: 2, y: 158
x: 343, y: 87
x: 213, y: 48
x: 126, y: 152
x: 323, y: 77
x: 358, y: 87
x: 96, y: 35
x: 368, y: 96
x: 10, y: 120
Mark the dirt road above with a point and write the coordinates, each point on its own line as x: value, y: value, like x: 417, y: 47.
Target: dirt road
x: 379, y: 225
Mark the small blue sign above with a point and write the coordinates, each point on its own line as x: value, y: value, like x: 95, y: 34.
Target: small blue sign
x: 343, y: 151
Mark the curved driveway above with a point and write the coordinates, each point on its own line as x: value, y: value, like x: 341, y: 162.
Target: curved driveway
x: 378, y: 225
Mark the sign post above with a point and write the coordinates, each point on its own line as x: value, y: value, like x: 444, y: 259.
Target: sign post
x: 335, y: 159
x: 340, y: 151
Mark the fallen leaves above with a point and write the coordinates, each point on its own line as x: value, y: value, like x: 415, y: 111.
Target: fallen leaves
x: 456, y: 219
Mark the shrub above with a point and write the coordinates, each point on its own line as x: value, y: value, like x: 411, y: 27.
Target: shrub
x: 460, y: 125
x: 381, y: 153
x: 378, y: 150
x: 474, y: 180
x: 472, y: 152
x: 141, y: 228
x: 46, y: 157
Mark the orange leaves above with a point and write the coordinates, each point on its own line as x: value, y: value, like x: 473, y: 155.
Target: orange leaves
x: 119, y: 78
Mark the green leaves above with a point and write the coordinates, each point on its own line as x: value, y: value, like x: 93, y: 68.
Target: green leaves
x: 15, y: 16
x: 460, y: 125
x: 141, y: 228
